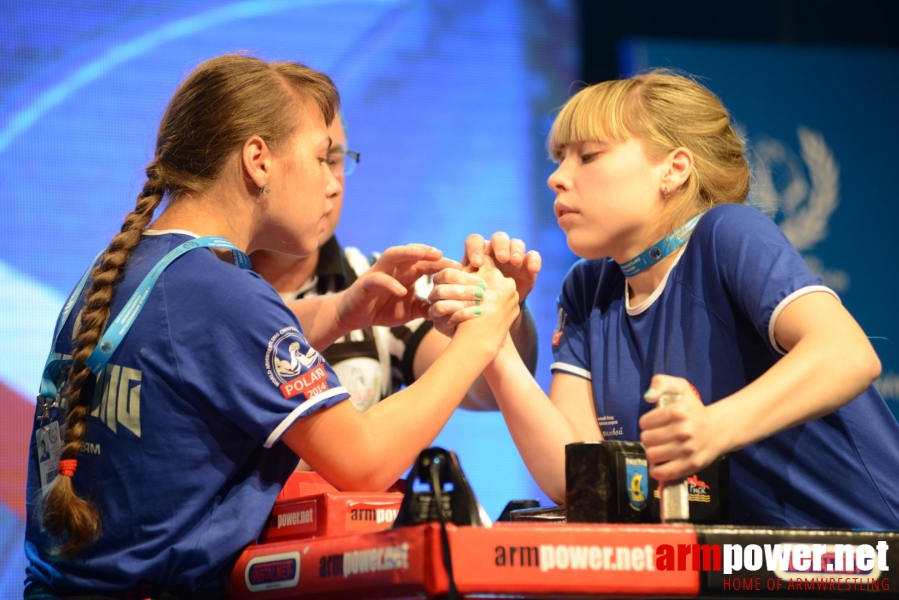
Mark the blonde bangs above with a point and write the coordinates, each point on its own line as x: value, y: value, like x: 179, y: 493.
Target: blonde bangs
x: 597, y: 112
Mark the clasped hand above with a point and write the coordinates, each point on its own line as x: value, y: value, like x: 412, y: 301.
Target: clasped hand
x: 488, y: 267
x: 467, y: 298
x: 385, y: 294
x: 509, y: 255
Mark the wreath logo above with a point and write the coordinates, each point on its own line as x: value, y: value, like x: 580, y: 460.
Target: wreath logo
x: 803, y: 192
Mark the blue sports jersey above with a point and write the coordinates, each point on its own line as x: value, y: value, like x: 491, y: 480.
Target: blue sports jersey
x: 712, y: 322
x: 182, y: 454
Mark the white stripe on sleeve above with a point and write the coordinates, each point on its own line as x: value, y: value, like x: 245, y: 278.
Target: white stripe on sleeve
x: 786, y: 301
x: 298, y: 412
x: 566, y: 368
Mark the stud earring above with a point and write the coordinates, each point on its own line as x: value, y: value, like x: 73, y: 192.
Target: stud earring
x: 665, y: 191
x: 264, y: 189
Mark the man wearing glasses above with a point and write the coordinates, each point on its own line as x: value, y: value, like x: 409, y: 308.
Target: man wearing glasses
x: 375, y: 362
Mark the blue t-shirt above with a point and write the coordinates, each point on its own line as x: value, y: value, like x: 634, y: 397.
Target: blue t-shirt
x: 712, y: 323
x: 182, y: 454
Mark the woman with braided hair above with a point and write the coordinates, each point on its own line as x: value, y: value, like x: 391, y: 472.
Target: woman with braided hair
x: 178, y: 427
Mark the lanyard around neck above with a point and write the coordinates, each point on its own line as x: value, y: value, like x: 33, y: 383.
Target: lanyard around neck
x: 126, y: 317
x: 660, y: 249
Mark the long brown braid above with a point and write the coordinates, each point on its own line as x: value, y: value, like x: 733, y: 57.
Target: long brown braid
x: 214, y: 111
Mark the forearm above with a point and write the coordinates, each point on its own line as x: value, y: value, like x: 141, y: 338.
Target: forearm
x: 320, y: 319
x: 819, y: 375
x: 524, y: 337
x: 538, y: 428
x: 395, y: 431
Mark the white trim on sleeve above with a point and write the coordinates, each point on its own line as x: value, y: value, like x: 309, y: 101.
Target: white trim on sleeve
x: 566, y: 368
x: 783, y: 304
x: 298, y: 411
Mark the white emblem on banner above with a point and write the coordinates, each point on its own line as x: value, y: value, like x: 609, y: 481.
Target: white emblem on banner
x: 804, y: 198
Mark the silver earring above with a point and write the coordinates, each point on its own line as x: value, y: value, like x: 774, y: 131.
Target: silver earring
x: 264, y: 189
x: 665, y: 191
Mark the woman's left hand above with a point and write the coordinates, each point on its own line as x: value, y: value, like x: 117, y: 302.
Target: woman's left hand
x: 385, y: 293
x: 680, y: 438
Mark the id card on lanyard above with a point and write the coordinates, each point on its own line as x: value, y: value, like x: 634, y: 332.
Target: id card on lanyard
x: 48, y: 439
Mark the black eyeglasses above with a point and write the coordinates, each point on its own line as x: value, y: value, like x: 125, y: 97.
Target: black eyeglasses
x: 342, y: 161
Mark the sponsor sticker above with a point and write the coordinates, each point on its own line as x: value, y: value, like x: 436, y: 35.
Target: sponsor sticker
x: 371, y: 517
x: 273, y: 572
x: 293, y: 519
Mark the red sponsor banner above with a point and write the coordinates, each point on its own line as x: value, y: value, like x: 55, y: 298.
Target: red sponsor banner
x: 368, y: 565
x: 506, y: 559
x: 571, y: 559
x: 310, y: 383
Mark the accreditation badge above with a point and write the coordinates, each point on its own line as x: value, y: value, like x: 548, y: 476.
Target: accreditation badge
x: 48, y: 447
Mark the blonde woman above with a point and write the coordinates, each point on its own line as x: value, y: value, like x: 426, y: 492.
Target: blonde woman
x: 683, y: 289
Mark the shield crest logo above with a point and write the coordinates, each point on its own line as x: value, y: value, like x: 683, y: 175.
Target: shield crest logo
x: 638, y: 486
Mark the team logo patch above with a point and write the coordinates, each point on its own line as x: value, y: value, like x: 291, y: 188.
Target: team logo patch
x: 638, y: 485
x: 293, y: 370
x: 273, y: 572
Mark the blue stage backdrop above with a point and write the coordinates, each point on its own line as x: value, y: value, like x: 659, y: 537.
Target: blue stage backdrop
x: 821, y: 124
x: 448, y: 103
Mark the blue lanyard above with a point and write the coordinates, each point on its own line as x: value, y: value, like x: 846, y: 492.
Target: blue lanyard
x: 53, y: 366
x: 660, y: 249
x: 122, y: 323
x: 125, y: 319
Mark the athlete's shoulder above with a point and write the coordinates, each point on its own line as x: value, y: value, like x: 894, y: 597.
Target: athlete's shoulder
x: 737, y: 227
x: 592, y: 282
x: 202, y: 276
x: 733, y: 219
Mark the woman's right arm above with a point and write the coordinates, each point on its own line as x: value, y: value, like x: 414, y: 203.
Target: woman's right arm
x: 542, y: 425
x: 369, y: 451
